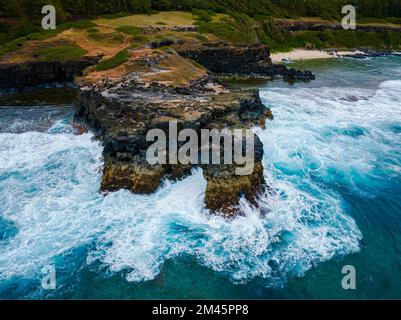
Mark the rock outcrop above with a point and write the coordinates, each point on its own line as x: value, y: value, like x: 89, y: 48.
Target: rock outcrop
x: 241, y: 60
x: 364, y: 53
x: 15, y: 77
x: 123, y: 112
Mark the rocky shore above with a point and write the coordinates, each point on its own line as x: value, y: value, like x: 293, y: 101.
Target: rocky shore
x: 364, y: 53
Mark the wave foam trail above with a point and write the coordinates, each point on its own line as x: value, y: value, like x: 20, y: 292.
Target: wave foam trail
x: 49, y: 190
x: 146, y: 232
x: 346, y: 135
x: 321, y: 138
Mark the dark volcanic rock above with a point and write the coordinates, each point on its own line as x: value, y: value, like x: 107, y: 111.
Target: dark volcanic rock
x: 241, y: 60
x: 162, y: 43
x: 368, y: 53
x: 291, y: 74
x: 16, y: 77
x: 125, y: 111
x: 232, y: 59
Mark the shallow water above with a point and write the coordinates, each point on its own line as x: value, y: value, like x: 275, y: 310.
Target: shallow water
x: 333, y: 156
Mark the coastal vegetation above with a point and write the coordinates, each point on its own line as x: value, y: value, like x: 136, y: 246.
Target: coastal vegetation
x: 232, y: 21
x: 113, y: 62
x: 277, y: 8
x: 62, y: 52
x: 282, y: 41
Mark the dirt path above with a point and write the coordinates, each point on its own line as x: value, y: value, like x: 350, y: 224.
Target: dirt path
x: 92, y: 47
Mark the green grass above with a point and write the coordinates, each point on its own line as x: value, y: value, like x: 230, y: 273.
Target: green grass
x: 139, y: 40
x: 198, y: 65
x: 40, y: 35
x: 380, y: 20
x: 107, y: 39
x: 170, y: 18
x: 238, y: 29
x: 197, y: 36
x: 82, y: 24
x: 202, y: 16
x: 131, y: 30
x: 92, y: 30
x: 113, y: 62
x: 232, y: 27
x: 339, y: 39
x: 62, y: 53
x: 115, y: 15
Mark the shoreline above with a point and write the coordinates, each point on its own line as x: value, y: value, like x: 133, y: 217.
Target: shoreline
x: 304, y: 54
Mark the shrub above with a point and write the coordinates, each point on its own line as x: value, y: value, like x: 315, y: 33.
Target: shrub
x: 107, y: 39
x: 111, y: 63
x: 202, y: 16
x: 236, y: 29
x: 81, y: 24
x: 139, y: 40
x: 131, y: 30
x: 93, y: 30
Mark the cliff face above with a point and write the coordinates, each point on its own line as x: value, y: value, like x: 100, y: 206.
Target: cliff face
x: 16, y: 77
x: 232, y: 59
x: 241, y: 60
x: 124, y: 111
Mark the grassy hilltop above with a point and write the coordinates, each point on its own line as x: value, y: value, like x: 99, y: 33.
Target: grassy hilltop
x: 123, y: 32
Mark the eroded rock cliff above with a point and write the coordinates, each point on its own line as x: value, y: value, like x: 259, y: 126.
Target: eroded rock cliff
x: 124, y: 111
x: 15, y: 77
x: 241, y: 60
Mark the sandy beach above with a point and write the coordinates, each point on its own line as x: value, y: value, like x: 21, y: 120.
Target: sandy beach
x: 303, y: 54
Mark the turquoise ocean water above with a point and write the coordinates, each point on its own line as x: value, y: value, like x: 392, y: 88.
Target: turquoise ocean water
x: 332, y: 155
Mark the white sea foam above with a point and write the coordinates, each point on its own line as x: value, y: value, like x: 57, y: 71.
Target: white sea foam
x: 49, y: 188
x: 319, y: 132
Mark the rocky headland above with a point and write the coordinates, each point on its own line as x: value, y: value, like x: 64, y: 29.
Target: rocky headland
x: 124, y: 108
x: 163, y: 82
x: 123, y: 112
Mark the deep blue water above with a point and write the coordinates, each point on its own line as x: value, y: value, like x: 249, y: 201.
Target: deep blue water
x: 332, y: 154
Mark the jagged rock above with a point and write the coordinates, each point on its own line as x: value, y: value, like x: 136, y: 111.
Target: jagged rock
x: 185, y: 28
x: 364, y: 53
x: 162, y: 43
x: 291, y: 74
x: 223, y: 192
